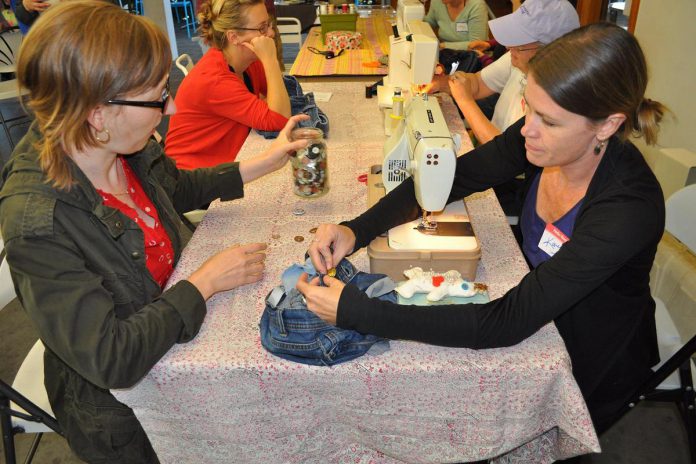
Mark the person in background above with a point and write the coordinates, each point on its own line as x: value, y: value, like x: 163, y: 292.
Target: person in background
x: 90, y: 218
x: 235, y: 87
x: 524, y: 32
x: 458, y: 22
x: 592, y: 218
x: 27, y: 11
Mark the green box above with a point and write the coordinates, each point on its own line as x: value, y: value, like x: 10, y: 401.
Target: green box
x: 337, y: 22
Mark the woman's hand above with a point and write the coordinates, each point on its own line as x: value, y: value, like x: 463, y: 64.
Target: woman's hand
x: 35, y: 5
x: 461, y: 86
x: 277, y: 154
x: 231, y: 268
x: 264, y: 48
x: 479, y: 45
x: 440, y: 83
x: 331, y: 244
x: 282, y: 147
x: 321, y: 300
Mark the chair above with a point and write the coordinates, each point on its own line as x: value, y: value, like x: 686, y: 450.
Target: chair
x: 290, y: 30
x: 19, y: 413
x: 185, y: 63
x: 132, y: 6
x: 673, y: 279
x: 10, y: 40
x: 290, y: 33
x: 189, y: 16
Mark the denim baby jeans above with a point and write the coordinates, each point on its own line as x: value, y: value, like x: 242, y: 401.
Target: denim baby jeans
x: 289, y: 330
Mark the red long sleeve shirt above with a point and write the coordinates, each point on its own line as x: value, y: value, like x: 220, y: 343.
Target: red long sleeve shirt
x: 215, y: 112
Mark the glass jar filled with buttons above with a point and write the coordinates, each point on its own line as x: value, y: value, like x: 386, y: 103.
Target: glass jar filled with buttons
x: 310, y: 164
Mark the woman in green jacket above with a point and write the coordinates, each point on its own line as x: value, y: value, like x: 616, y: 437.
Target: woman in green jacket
x: 90, y: 211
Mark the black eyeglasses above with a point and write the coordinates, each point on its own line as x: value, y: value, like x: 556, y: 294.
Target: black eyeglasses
x: 161, y: 104
x: 262, y: 29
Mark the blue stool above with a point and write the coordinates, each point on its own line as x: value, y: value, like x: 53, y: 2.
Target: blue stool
x: 189, y: 16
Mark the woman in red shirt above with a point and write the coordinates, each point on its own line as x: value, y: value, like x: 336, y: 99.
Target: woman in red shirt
x: 235, y: 87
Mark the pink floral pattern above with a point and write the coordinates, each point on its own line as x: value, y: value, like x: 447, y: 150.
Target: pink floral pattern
x: 223, y: 398
x: 343, y: 40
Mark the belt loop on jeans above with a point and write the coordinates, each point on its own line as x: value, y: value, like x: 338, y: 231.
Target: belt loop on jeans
x: 275, y: 297
x: 280, y: 322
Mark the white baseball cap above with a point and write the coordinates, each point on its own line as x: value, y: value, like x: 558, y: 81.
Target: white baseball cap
x: 535, y: 21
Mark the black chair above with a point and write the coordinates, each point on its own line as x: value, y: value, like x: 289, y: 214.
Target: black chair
x: 672, y: 280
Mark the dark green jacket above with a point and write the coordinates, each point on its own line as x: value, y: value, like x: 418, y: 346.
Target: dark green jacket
x: 79, y: 266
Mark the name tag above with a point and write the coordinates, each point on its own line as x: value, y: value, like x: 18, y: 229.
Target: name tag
x: 462, y: 27
x: 552, y: 240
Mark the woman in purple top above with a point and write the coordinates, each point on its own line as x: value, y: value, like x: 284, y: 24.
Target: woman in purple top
x: 591, y: 223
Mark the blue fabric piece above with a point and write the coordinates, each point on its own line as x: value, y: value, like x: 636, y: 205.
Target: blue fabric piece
x: 532, y: 226
x: 289, y: 330
x: 301, y: 103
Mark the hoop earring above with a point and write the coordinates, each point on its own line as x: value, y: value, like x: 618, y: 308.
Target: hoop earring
x: 599, y: 146
x: 106, y: 140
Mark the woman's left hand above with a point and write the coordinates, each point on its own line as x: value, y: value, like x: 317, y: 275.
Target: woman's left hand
x: 323, y: 301
x: 264, y: 48
x: 479, y: 45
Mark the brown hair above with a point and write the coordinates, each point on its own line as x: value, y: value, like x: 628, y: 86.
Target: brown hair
x: 78, y: 55
x: 598, y: 70
x: 216, y: 17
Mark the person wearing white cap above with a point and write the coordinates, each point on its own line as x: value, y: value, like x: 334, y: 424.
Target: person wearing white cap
x: 533, y: 25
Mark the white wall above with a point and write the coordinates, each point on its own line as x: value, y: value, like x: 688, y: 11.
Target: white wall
x: 667, y: 32
x: 160, y: 11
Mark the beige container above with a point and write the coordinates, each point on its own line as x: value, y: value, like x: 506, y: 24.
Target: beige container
x: 385, y: 260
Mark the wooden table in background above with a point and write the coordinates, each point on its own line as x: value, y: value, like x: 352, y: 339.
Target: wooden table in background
x: 375, y: 29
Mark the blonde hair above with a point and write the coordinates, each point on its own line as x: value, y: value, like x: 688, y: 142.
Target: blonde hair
x: 598, y: 70
x: 78, y: 55
x: 216, y: 17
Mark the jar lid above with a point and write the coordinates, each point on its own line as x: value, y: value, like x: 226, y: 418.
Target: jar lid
x: 304, y: 133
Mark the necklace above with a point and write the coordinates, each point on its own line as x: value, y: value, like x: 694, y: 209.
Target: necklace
x: 121, y: 173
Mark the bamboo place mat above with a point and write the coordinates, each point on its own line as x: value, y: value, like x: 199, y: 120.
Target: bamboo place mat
x: 375, y: 30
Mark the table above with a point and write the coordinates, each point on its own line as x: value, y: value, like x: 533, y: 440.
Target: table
x: 222, y: 398
x: 305, y: 12
x: 375, y: 28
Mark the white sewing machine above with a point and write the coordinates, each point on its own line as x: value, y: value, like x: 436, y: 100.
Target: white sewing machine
x: 413, y: 55
x: 422, y: 147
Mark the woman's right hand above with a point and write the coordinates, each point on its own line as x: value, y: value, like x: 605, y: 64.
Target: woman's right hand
x: 461, y: 86
x: 331, y: 244
x: 231, y: 268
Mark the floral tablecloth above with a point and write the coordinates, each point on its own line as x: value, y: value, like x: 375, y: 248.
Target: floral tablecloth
x: 223, y: 399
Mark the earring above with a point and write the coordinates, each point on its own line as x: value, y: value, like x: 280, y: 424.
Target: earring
x: 106, y: 140
x: 599, y: 146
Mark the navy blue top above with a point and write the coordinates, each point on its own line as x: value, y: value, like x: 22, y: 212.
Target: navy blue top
x: 532, y: 226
